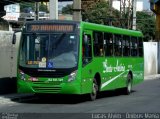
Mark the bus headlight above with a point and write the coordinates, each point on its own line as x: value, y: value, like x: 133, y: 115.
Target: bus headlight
x: 72, y: 76
x: 22, y: 75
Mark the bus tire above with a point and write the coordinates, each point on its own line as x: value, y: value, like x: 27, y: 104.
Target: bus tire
x: 128, y: 88
x: 93, y: 94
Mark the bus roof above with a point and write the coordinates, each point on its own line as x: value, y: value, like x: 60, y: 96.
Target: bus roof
x: 111, y: 29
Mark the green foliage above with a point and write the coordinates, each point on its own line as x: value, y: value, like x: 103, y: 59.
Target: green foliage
x: 97, y: 13
x: 43, y: 7
x: 30, y: 6
x: 25, y: 7
x: 67, y: 9
x: 146, y: 24
x: 100, y: 13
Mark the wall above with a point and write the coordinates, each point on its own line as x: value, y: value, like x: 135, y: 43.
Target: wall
x: 8, y: 61
x: 150, y: 58
x: 5, y: 53
x: 4, y: 25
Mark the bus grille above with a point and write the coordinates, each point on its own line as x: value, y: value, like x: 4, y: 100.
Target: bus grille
x: 48, y: 83
x: 46, y: 89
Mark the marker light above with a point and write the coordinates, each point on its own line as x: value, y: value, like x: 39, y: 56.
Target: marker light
x: 33, y: 79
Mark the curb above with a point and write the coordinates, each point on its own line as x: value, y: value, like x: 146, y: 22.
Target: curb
x: 152, y: 77
x: 13, y: 96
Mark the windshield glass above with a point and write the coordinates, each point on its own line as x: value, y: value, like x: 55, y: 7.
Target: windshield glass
x: 59, y: 50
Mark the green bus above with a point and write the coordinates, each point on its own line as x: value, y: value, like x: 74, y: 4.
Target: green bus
x: 69, y: 57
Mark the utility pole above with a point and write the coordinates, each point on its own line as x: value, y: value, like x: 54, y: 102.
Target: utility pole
x: 134, y: 15
x: 36, y: 10
x: 111, y: 14
x: 122, y: 13
x: 53, y: 9
x: 77, y: 10
x: 158, y: 26
x: 155, y: 7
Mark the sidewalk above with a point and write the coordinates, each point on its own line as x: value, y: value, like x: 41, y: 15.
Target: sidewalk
x: 12, y: 96
x: 152, y: 77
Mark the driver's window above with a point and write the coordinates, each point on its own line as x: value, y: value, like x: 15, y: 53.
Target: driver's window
x: 86, y: 49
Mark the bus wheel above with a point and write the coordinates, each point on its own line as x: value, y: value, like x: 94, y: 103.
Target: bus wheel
x: 128, y: 88
x: 93, y: 94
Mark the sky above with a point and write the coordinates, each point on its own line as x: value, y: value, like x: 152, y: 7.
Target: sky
x: 146, y: 4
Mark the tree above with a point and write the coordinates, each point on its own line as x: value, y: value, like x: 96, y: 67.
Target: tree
x: 27, y: 7
x: 67, y: 9
x: 43, y: 7
x: 146, y: 24
x: 30, y: 6
x: 100, y: 13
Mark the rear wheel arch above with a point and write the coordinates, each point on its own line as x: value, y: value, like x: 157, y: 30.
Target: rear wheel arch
x: 95, y: 87
x: 131, y: 74
x: 97, y: 77
x: 129, y: 82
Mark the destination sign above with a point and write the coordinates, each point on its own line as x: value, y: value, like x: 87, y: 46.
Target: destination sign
x: 50, y: 27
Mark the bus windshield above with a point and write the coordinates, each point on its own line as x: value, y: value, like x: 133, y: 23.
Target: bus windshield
x: 56, y: 50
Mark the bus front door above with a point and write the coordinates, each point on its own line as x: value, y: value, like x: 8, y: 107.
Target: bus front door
x: 87, y: 73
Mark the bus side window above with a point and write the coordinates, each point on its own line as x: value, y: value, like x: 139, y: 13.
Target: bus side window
x: 86, y: 49
x: 98, y: 44
x: 134, y: 48
x: 140, y: 47
x: 109, y: 44
x: 126, y: 46
x: 117, y: 45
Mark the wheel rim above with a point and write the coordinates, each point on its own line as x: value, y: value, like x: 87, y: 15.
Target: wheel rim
x: 94, y: 91
x: 129, y: 86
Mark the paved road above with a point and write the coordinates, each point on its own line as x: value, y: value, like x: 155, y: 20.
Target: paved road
x: 145, y: 98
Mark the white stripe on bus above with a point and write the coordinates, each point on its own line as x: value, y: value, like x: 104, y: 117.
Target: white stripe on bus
x: 111, y: 80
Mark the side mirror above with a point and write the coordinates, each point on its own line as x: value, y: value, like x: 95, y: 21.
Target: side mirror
x: 14, y: 36
x: 14, y: 39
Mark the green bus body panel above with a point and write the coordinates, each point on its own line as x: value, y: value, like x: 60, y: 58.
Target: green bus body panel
x: 115, y: 74
x: 134, y: 64
x: 113, y: 71
x: 48, y: 85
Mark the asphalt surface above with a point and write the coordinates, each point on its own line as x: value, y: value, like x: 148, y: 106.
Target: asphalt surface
x: 145, y: 98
